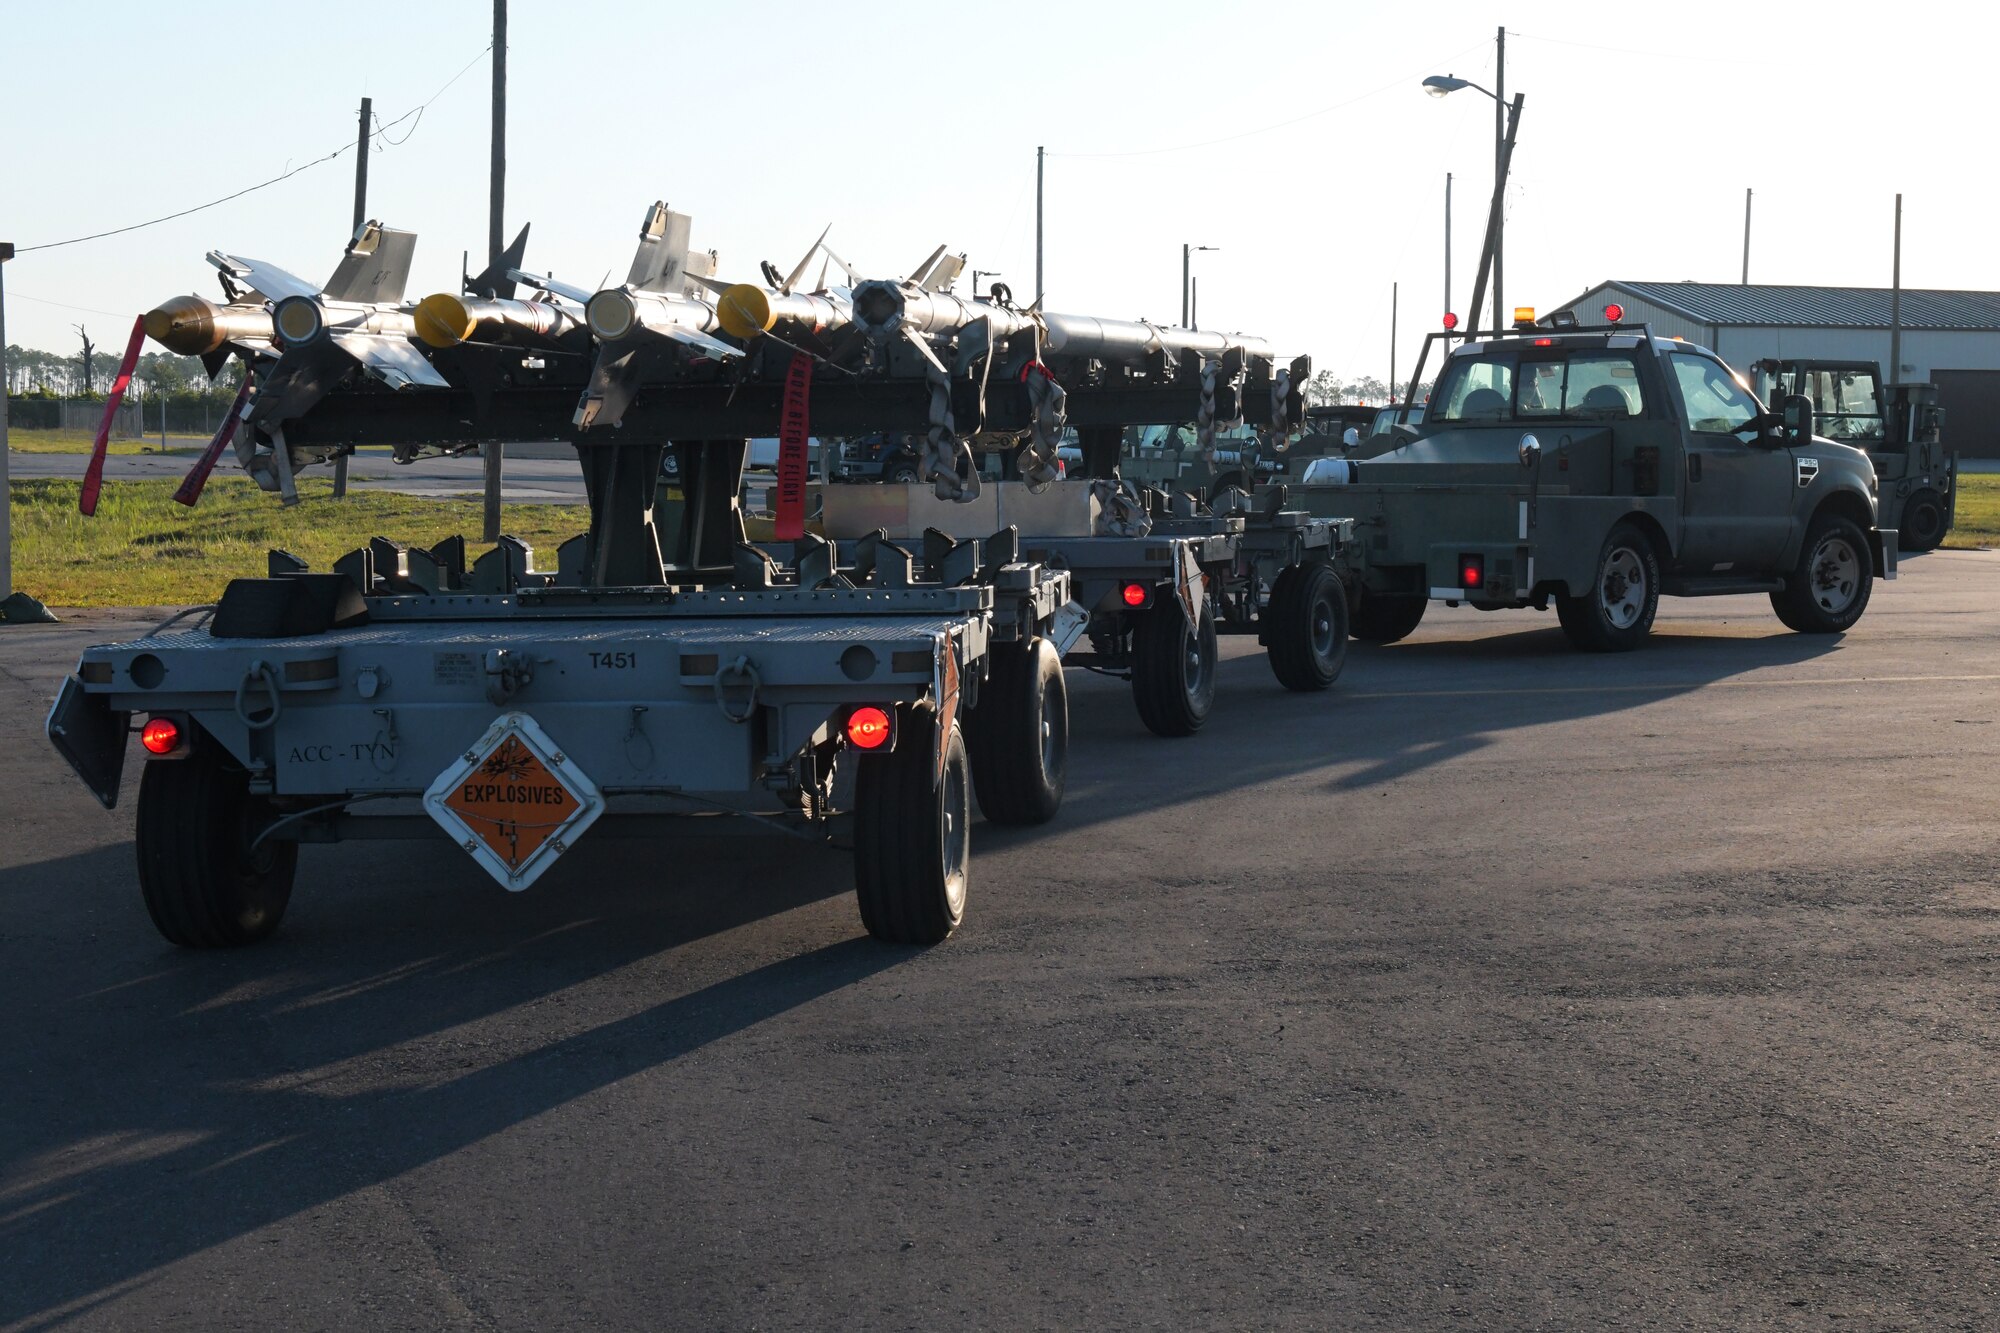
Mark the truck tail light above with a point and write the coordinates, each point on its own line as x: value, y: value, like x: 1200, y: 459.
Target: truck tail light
x: 1471, y: 571
x: 162, y: 736
x: 1613, y: 313
x: 1135, y: 595
x: 870, y: 728
x: 1450, y: 321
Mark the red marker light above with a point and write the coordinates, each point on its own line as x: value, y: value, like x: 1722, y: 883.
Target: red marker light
x: 1471, y: 571
x: 1613, y: 313
x: 1450, y: 320
x: 1134, y: 594
x: 1545, y: 342
x: 868, y: 728
x: 161, y: 735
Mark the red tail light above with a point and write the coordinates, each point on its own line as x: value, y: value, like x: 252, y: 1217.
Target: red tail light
x: 160, y: 735
x: 1450, y: 320
x: 1613, y: 313
x: 1134, y: 594
x: 1472, y: 571
x: 1545, y: 342
x: 869, y: 728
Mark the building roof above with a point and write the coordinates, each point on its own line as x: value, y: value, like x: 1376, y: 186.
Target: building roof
x: 1728, y: 303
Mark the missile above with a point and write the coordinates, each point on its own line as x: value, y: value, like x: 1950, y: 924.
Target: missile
x: 883, y: 309
x: 193, y: 326
x: 445, y: 320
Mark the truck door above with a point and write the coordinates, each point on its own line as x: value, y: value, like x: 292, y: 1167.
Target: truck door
x: 1737, y: 512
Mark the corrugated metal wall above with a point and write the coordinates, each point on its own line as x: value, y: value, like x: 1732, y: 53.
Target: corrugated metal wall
x: 1666, y: 323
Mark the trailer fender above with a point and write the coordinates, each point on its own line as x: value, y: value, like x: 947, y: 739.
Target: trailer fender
x: 88, y: 732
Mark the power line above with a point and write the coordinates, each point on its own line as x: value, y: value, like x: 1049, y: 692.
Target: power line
x: 88, y: 310
x: 1283, y: 124
x: 252, y: 189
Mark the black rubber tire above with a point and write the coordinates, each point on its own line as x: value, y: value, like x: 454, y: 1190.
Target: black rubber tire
x: 1384, y: 619
x: 1809, y: 602
x: 1173, y: 667
x: 1587, y: 621
x: 203, y: 887
x: 1305, y: 628
x: 900, y: 470
x: 912, y: 835
x: 1922, y: 524
x: 1018, y: 737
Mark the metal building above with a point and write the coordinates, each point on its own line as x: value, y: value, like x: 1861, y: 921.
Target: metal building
x: 1949, y: 338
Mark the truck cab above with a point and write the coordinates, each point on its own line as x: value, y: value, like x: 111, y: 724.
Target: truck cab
x: 1898, y: 426
x: 1595, y: 469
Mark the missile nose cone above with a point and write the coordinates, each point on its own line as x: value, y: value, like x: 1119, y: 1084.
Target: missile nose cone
x: 184, y: 325
x: 442, y: 320
x: 745, y: 311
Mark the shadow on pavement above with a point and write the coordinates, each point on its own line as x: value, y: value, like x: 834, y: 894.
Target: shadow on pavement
x: 162, y: 1102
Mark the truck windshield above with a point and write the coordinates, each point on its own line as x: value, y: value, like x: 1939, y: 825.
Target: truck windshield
x: 1584, y: 384
x: 1845, y: 405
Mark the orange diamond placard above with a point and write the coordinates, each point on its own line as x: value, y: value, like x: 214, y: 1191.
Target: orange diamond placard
x: 515, y: 802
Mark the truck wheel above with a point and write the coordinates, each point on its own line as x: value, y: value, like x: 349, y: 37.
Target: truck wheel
x: 900, y: 470
x: 203, y: 886
x: 912, y: 835
x: 1018, y: 737
x: 1173, y: 668
x: 1923, y: 523
x: 1828, y: 590
x: 1616, y: 615
x: 1305, y: 627
x: 1385, y: 619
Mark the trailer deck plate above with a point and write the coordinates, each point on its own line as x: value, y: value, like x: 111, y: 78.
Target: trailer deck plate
x: 515, y: 801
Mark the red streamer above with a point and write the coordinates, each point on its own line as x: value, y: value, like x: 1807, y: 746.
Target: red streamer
x: 93, y: 476
x: 790, y: 519
x: 197, y: 476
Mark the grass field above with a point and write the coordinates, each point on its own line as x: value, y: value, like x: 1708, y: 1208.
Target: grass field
x: 79, y: 441
x: 142, y: 549
x: 1978, y: 512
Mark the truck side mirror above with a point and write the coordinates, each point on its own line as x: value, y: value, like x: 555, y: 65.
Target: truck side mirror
x: 1796, y: 419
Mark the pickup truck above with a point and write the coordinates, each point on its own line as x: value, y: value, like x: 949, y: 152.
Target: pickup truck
x: 1595, y: 469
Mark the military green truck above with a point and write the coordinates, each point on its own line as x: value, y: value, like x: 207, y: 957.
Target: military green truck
x: 1596, y: 468
x: 1899, y: 425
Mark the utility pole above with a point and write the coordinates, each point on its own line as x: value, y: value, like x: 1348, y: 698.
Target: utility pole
x: 1503, y: 153
x: 1746, y: 237
x: 1194, y: 303
x: 496, y: 208
x: 1447, y: 242
x: 1486, y: 255
x: 360, y: 216
x: 1187, y: 254
x: 6, y: 492
x: 1040, y: 155
x: 1896, y: 303
x: 1394, y: 296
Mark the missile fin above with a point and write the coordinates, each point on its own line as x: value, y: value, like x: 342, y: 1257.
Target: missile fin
x: 660, y: 262
x: 819, y: 285
x: 713, y: 346
x: 714, y: 284
x: 496, y: 279
x: 917, y: 341
x: 375, y: 268
x: 798, y: 269
x: 214, y: 361
x: 268, y: 280
x: 550, y: 285
x: 921, y: 271
x: 946, y: 272
x: 392, y: 360
x: 845, y: 267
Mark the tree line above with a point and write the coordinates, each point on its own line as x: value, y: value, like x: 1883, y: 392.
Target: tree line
x: 34, y: 373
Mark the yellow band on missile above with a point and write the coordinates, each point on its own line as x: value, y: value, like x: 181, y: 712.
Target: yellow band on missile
x: 745, y: 311
x: 442, y: 320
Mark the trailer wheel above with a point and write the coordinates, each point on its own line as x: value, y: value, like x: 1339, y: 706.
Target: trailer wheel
x: 1305, y: 627
x: 1828, y: 590
x: 1385, y: 619
x: 1173, y: 668
x: 1923, y: 522
x: 1018, y: 736
x: 912, y: 835
x: 203, y: 885
x: 1616, y: 614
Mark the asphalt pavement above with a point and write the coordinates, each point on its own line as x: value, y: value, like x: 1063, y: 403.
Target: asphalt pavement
x: 1500, y: 987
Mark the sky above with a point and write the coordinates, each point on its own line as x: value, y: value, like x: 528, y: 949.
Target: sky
x: 1294, y: 137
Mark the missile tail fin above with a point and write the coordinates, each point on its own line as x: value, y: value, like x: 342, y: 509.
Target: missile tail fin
x: 375, y: 268
x: 496, y: 279
x: 660, y: 262
x: 798, y: 269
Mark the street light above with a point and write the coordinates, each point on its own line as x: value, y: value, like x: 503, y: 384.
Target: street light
x: 1187, y: 282
x: 1443, y: 85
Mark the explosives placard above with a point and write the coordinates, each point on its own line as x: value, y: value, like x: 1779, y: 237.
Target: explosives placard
x: 514, y: 802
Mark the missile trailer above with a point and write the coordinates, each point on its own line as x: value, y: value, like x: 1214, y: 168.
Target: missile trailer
x: 1598, y: 468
